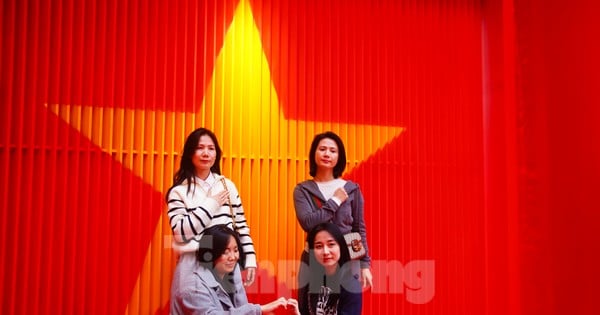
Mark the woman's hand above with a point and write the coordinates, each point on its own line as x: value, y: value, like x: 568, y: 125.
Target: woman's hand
x: 341, y: 194
x: 293, y: 306
x: 221, y: 197
x: 289, y: 304
x: 250, y: 276
x: 366, y: 278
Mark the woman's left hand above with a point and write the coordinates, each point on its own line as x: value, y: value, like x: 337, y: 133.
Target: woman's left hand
x: 250, y: 276
x: 366, y: 278
x: 293, y: 306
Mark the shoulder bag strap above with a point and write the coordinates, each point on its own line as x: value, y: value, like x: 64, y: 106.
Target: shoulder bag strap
x: 232, y: 213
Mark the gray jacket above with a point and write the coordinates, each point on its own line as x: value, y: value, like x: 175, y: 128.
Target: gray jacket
x: 200, y: 293
x: 312, y: 209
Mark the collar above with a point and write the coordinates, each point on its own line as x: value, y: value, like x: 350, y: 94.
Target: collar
x: 206, y: 275
x: 312, y: 187
x: 209, y: 181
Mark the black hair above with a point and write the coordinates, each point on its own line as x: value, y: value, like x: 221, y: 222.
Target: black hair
x: 334, y: 230
x: 339, y: 168
x: 322, y: 286
x: 213, y: 244
x: 187, y: 170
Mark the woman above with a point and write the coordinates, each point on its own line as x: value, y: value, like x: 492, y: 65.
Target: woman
x: 329, y: 198
x: 330, y: 288
x: 201, y: 197
x: 211, y: 287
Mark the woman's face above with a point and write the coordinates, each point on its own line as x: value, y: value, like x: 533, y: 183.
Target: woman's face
x: 327, y: 250
x: 204, y: 156
x: 326, y: 155
x: 225, y: 263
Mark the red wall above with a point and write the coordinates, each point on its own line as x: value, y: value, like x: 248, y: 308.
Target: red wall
x: 494, y: 179
x: 558, y: 120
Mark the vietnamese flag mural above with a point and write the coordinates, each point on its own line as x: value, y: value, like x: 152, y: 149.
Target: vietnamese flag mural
x: 430, y: 98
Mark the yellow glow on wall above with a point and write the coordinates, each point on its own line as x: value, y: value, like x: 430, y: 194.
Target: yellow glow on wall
x: 265, y: 154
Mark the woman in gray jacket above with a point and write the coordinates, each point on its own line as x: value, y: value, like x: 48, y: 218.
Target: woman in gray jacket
x: 212, y: 286
x: 329, y: 198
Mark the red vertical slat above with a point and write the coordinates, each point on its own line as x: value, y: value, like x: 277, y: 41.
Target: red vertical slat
x: 7, y: 55
x: 499, y: 292
x: 6, y: 42
x: 53, y: 242
x: 98, y: 87
x: 509, y: 51
x: 34, y: 154
x: 66, y: 300
x: 20, y: 225
x: 88, y: 76
x: 44, y: 158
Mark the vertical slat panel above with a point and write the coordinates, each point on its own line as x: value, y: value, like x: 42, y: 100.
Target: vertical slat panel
x: 102, y: 95
x: 32, y: 248
x: 7, y: 34
x: 16, y: 154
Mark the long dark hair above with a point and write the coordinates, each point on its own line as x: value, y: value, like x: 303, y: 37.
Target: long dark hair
x: 339, y: 168
x: 187, y: 169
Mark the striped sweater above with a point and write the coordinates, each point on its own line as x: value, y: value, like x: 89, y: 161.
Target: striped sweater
x: 191, y: 213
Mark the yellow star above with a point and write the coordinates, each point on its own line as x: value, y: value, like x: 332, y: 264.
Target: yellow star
x: 265, y: 154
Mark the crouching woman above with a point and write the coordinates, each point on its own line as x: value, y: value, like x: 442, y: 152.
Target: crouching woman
x: 333, y: 289
x: 213, y: 286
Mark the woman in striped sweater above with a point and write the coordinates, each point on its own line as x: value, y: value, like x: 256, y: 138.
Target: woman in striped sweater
x: 201, y: 197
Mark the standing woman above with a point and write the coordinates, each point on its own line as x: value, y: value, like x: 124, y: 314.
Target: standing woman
x: 201, y: 197
x: 329, y: 198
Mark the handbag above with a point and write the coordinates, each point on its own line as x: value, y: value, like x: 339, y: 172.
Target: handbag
x: 355, y: 245
x: 231, y: 212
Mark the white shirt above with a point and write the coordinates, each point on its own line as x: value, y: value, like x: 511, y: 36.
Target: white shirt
x: 328, y: 188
